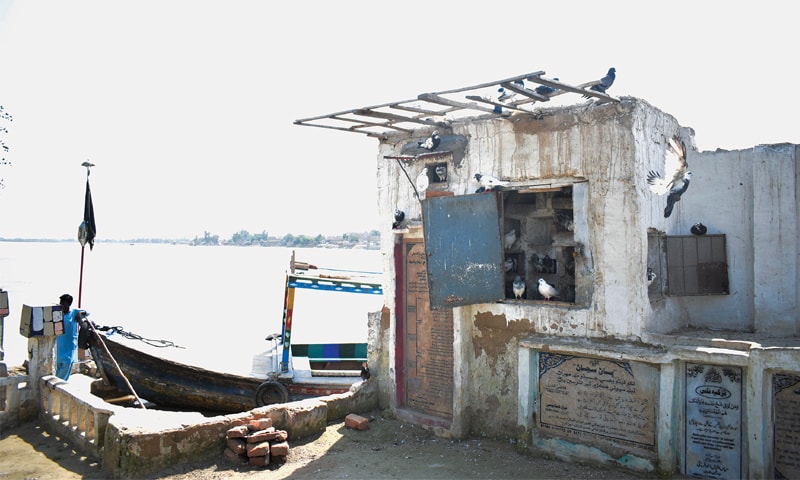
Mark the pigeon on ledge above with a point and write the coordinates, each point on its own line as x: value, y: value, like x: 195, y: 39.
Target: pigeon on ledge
x: 518, y: 287
x: 488, y: 182
x: 698, y: 229
x: 651, y: 276
x: 431, y: 142
x: 605, y: 82
x: 441, y: 172
x: 509, y: 238
x: 399, y: 216
x: 677, y: 175
x: 547, y: 290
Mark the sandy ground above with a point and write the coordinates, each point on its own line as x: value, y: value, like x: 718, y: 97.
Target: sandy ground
x: 388, y: 449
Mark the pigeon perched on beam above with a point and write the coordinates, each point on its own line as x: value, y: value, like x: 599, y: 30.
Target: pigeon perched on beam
x: 676, y: 177
x: 431, y: 142
x: 605, y: 82
x: 518, y: 287
x: 546, y: 290
x: 546, y: 89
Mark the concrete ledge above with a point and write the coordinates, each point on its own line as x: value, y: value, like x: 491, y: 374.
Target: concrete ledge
x: 141, y: 442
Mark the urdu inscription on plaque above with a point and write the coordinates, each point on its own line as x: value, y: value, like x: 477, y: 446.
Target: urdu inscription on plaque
x: 713, y: 421
x: 786, y: 425
x: 590, y: 398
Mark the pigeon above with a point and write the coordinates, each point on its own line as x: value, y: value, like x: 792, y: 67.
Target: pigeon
x: 510, y: 264
x: 504, y: 95
x: 651, y: 276
x: 565, y: 219
x: 547, y: 290
x: 365, y: 373
x: 399, y: 216
x: 441, y: 172
x: 548, y: 264
x: 698, y: 229
x: 605, y: 82
x: 546, y: 89
x: 509, y: 238
x: 431, y: 142
x: 677, y: 175
x: 488, y: 182
x: 518, y: 287
x: 537, y: 263
x: 422, y: 182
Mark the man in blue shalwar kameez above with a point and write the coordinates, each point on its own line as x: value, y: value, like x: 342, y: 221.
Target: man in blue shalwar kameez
x: 67, y: 342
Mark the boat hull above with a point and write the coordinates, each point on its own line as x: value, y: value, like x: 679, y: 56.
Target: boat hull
x: 174, y: 385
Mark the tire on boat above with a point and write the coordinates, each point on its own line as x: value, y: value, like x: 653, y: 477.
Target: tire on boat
x: 271, y: 392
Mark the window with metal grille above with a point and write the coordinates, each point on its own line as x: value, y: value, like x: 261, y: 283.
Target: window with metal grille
x: 697, y: 265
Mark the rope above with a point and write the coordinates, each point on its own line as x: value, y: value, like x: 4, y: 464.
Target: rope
x: 117, y: 330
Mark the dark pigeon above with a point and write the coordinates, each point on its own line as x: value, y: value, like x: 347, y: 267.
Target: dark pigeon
x: 546, y: 89
x: 605, y: 82
x: 431, y: 142
x: 676, y: 175
x: 698, y: 229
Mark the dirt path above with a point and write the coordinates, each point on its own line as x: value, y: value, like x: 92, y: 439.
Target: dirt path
x: 390, y: 449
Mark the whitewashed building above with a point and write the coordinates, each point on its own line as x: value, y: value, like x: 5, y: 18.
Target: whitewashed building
x: 696, y: 372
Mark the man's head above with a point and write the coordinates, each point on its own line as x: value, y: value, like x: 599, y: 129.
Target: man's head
x: 65, y: 301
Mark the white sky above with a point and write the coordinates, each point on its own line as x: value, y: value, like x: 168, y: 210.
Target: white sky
x: 187, y: 107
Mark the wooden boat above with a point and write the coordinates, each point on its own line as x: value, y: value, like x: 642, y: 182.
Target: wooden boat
x: 175, y: 385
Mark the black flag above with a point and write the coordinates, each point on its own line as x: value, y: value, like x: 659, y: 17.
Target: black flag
x: 88, y: 217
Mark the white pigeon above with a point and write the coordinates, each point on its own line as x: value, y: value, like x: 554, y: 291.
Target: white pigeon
x: 651, y: 276
x: 489, y: 182
x: 422, y: 182
x: 547, y: 290
x: 676, y: 175
x: 509, y: 238
x: 505, y: 95
x: 518, y: 287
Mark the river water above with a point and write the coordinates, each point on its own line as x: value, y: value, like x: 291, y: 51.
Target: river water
x: 217, y: 302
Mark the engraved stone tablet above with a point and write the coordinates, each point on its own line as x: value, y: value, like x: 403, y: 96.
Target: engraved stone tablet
x: 713, y: 421
x: 591, y: 400
x: 786, y: 415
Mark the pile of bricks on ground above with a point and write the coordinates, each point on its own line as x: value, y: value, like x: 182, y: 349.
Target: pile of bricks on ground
x: 256, y: 443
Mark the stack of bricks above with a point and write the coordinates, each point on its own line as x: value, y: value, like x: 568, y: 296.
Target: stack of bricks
x: 256, y: 443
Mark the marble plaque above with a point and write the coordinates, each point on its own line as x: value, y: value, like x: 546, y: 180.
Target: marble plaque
x: 713, y: 421
x: 786, y: 425
x: 592, y: 399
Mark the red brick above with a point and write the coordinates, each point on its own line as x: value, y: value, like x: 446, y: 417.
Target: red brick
x: 237, y: 432
x: 258, y: 449
x: 278, y: 436
x: 280, y: 449
x: 356, y: 421
x: 237, y: 445
x: 234, y: 457
x: 259, y: 424
x: 261, y: 436
x: 258, y: 461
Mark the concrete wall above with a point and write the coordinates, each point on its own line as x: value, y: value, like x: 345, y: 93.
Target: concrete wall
x: 751, y: 196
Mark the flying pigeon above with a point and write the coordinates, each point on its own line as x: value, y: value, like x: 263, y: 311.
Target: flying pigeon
x: 547, y: 290
x: 509, y: 238
x: 698, y: 229
x: 510, y: 264
x: 431, y: 142
x: 546, y: 89
x: 677, y: 175
x: 365, y: 374
x: 518, y: 287
x: 422, y: 182
x: 488, y: 182
x: 399, y: 216
x: 441, y: 172
x: 605, y: 82
x: 651, y: 276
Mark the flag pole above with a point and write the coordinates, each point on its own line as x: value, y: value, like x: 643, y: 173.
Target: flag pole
x: 87, y: 229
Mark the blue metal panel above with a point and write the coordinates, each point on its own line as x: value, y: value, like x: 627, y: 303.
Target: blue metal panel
x: 464, y: 249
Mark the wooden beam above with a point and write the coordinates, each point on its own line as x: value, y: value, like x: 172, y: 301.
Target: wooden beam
x: 370, y: 124
x: 490, y: 84
x: 435, y: 98
x: 583, y: 89
x: 422, y: 111
x: 369, y: 134
x: 525, y: 91
x: 497, y: 104
x: 398, y: 118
